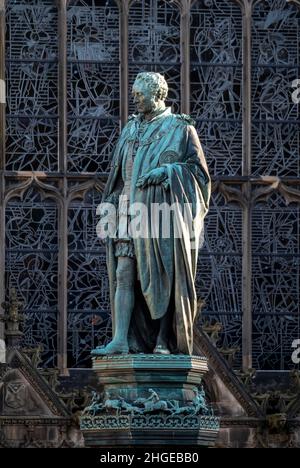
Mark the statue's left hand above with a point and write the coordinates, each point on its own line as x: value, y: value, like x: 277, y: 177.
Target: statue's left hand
x: 156, y: 176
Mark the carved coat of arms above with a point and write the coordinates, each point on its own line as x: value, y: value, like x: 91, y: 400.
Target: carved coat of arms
x: 15, y: 395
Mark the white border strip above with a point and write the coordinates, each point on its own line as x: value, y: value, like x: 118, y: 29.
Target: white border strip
x: 2, y: 92
x: 2, y: 351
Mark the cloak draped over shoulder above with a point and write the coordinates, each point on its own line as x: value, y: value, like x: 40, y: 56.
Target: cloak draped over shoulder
x: 166, y: 266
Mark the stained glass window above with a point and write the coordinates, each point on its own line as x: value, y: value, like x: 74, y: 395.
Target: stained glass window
x: 61, y: 132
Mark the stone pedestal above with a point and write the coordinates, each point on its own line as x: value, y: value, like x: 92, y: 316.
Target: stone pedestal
x: 146, y: 399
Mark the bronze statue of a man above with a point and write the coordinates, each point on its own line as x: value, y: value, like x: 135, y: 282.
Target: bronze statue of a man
x: 158, y: 161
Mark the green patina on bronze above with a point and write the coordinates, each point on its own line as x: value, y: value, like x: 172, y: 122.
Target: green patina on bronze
x: 166, y: 147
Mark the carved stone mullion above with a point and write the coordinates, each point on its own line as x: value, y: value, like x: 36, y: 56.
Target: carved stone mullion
x: 124, y: 6
x: 2, y: 84
x: 2, y: 251
x: 62, y: 322
x: 185, y: 55
x: 246, y: 171
x: 62, y: 84
x: 2, y: 157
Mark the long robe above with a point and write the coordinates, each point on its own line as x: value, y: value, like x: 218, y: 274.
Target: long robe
x: 166, y: 267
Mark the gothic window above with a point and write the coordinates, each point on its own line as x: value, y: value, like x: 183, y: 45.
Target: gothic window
x: 92, y: 84
x: 31, y: 75
x: 154, y: 44
x: 275, y: 151
x: 69, y: 66
x: 276, y: 281
x: 220, y: 271
x: 89, y: 322
x: 32, y: 267
x: 276, y: 62
x: 216, y: 82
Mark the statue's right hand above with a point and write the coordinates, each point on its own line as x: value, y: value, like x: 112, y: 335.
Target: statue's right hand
x: 155, y: 176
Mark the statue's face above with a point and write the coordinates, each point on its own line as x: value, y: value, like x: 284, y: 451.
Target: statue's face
x: 143, y: 98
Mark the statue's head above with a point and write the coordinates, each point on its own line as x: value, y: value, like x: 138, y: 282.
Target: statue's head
x: 149, y: 92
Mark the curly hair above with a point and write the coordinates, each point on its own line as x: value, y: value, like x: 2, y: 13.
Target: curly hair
x: 156, y: 82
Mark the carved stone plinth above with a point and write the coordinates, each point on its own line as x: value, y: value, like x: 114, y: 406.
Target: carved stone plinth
x: 146, y: 399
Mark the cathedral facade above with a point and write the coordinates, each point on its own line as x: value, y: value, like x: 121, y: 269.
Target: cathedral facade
x: 66, y: 73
